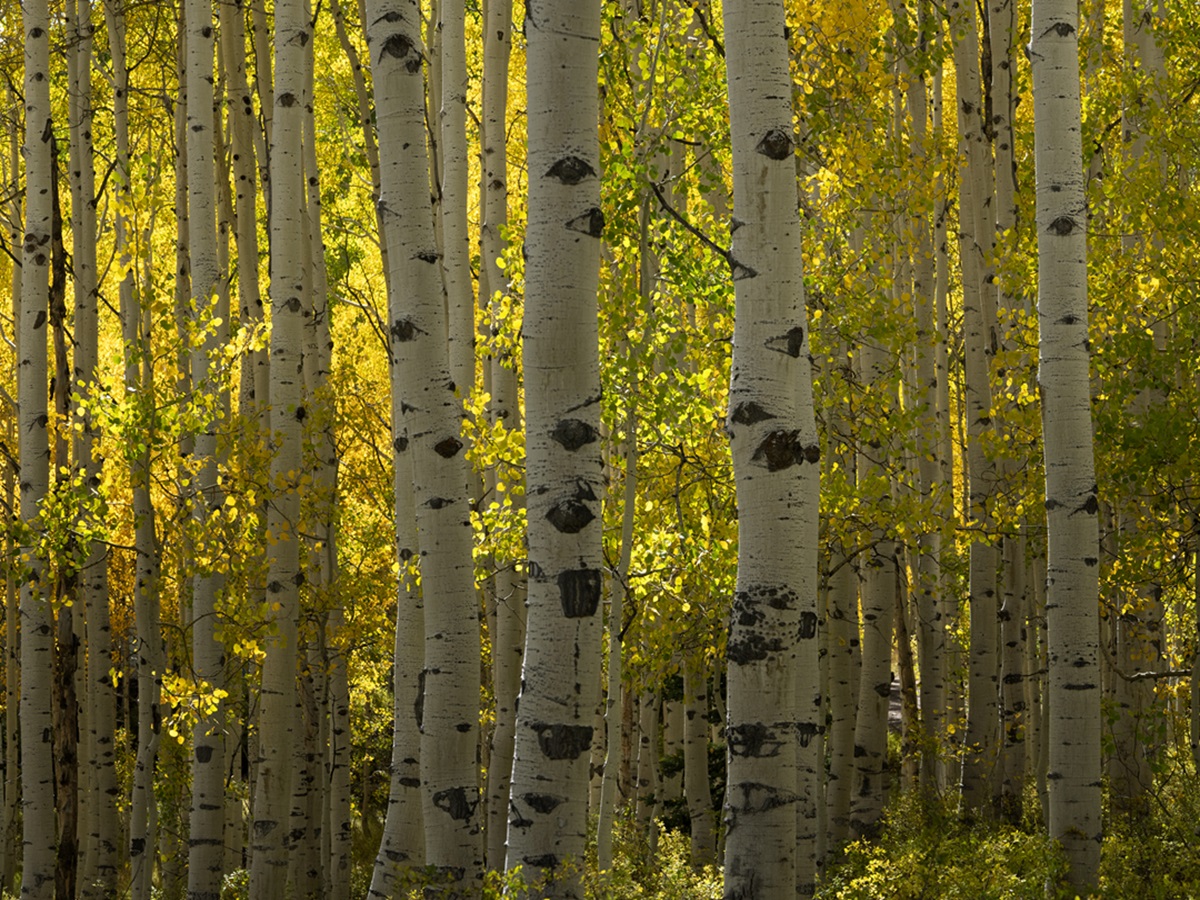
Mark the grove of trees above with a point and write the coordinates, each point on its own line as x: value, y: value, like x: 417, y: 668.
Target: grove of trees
x: 599, y: 448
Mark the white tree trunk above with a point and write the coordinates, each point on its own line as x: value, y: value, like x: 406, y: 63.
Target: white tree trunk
x: 772, y: 655
x: 696, y: 787
x: 290, y: 265
x: 456, y: 263
x: 206, y: 855
x: 1072, y: 596
x: 37, y: 776
x: 430, y: 418
x: 560, y: 691
x: 975, y: 231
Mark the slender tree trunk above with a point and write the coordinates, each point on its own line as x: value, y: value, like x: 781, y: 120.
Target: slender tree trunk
x: 37, y: 638
x: 560, y: 693
x: 206, y: 855
x: 456, y: 268
x: 772, y: 655
x: 430, y: 416
x: 1073, y: 552
x: 697, y: 789
x: 508, y: 639
x: 290, y: 301
x: 606, y: 814
x: 974, y: 237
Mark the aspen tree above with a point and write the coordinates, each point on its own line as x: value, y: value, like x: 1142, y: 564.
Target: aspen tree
x: 323, y: 554
x: 37, y: 777
x: 98, y: 859
x: 560, y: 690
x: 273, y: 798
x: 772, y: 655
x: 1072, y: 594
x: 508, y: 638
x: 456, y: 267
x: 696, y: 788
x: 974, y: 240
x: 10, y: 828
x: 206, y: 855
x: 430, y: 417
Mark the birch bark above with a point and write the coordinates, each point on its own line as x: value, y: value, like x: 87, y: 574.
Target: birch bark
x: 560, y: 690
x: 1072, y: 596
x: 290, y: 266
x: 430, y: 416
x: 37, y: 784
x: 773, y: 668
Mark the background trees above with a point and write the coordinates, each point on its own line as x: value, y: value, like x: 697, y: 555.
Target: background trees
x: 902, y: 135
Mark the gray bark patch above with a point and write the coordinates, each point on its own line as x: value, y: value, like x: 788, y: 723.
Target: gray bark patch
x: 590, y: 223
x: 563, y: 741
x: 571, y: 170
x: 775, y: 144
x: 455, y: 803
x: 579, y: 591
x: 573, y: 434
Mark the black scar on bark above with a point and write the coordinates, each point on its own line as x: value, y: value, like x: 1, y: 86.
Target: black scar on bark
x: 263, y: 827
x: 757, y: 797
x: 545, y: 861
x: 590, y: 223
x: 571, y: 170
x: 1078, y: 687
x: 573, y: 434
x: 301, y: 413
x: 463, y: 727
x: 775, y: 144
x: 883, y: 690
x: 795, y: 341
x: 1069, y: 320
x: 286, y: 99
x: 753, y: 740
x: 454, y: 802
x: 515, y: 819
x: 579, y: 592
x: 572, y: 515
x: 563, y: 741
x: 448, y: 447
x: 419, y: 703
x: 808, y: 625
x: 806, y: 731
x: 1091, y: 506
x: 405, y: 330
x: 1062, y: 29
x: 400, y: 444
x: 749, y: 413
x: 1062, y: 226
x: 1013, y: 678
x: 429, y: 256
x: 752, y: 648
x: 40, y: 319
x: 409, y: 781
x: 397, y: 46
x: 204, y: 753
x: 781, y: 449
x: 437, y: 502
x: 1090, y: 561
x: 395, y: 856
x: 543, y: 803
x: 741, y: 271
